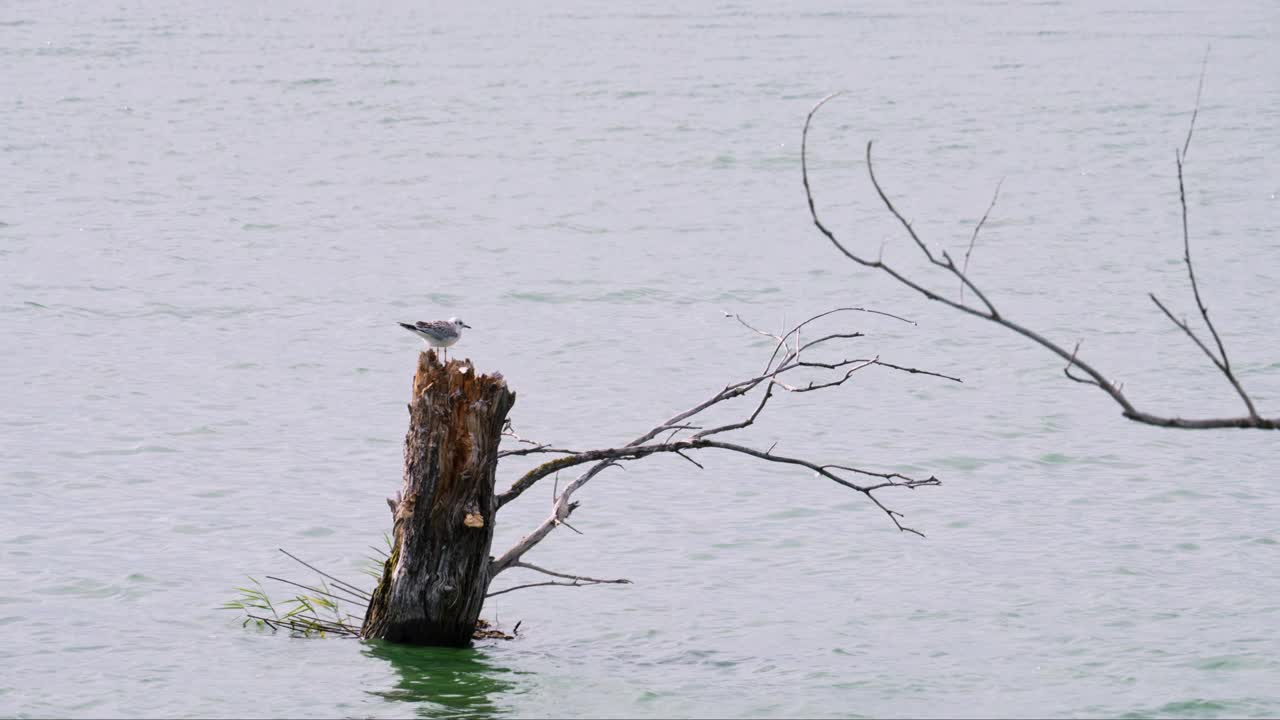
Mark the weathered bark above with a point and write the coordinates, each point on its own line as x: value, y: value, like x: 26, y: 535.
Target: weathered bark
x: 434, y: 582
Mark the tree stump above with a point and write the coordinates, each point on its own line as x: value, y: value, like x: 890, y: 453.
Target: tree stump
x: 434, y: 581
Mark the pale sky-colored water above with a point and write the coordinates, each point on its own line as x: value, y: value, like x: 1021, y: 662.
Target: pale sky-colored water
x: 215, y: 216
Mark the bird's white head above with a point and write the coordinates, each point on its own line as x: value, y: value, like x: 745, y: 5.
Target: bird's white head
x: 458, y: 323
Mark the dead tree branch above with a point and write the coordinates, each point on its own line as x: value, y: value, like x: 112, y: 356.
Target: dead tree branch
x: 575, y: 583
x: 577, y: 580
x: 535, y: 448
x: 1085, y: 372
x: 786, y: 361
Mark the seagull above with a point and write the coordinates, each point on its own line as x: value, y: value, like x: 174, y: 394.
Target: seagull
x: 438, y: 333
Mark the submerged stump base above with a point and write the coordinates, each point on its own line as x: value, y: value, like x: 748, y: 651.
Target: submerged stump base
x: 434, y: 581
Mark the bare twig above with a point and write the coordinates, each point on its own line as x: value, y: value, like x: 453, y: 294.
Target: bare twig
x: 900, y: 368
x: 945, y: 262
x: 1220, y: 360
x: 575, y: 583
x: 977, y: 229
x: 1072, y: 361
x: 764, y: 400
x: 345, y: 585
x: 1204, y: 67
x: 535, y: 448
x: 840, y: 380
x: 566, y: 576
x: 349, y: 597
x: 699, y: 465
x: 783, y: 340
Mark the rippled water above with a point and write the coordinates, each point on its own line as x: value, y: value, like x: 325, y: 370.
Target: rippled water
x: 214, y: 215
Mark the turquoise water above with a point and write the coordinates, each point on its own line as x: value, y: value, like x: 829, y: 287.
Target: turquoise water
x: 215, y: 215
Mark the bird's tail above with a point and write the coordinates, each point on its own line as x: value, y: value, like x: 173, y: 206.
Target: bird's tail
x: 408, y: 327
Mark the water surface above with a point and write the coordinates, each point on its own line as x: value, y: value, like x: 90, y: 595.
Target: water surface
x: 215, y: 215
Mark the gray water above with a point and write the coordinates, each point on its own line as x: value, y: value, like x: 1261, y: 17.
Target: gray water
x: 213, y: 216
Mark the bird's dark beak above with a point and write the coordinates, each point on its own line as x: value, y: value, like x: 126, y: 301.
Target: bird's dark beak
x: 465, y: 325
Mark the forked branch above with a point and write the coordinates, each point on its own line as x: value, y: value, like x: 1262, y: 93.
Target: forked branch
x: 1076, y: 368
